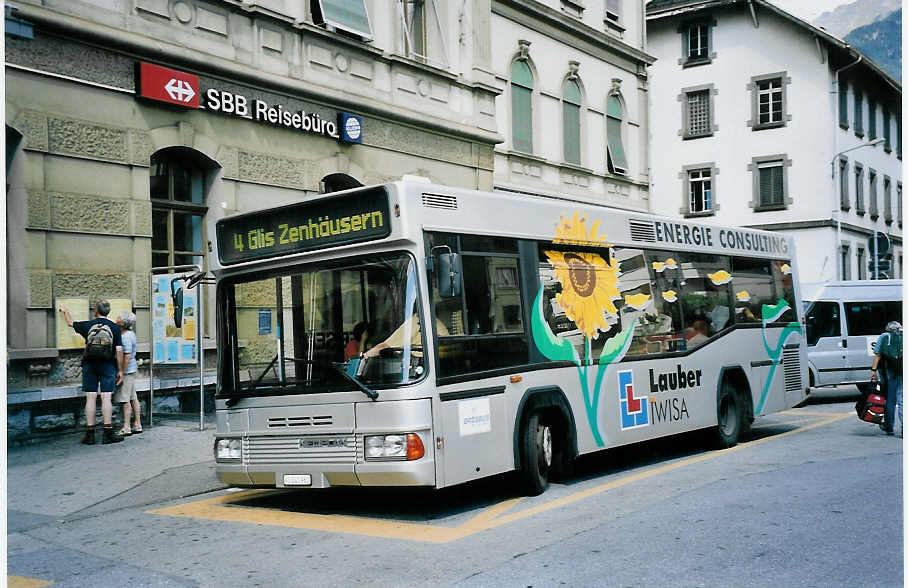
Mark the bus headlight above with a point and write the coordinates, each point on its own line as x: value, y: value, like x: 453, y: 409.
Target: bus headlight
x: 402, y: 446
x: 228, y: 449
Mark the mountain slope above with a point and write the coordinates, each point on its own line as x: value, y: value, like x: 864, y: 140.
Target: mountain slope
x: 848, y: 17
x: 881, y: 41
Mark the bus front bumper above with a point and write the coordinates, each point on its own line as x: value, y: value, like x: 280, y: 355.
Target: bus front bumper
x: 391, y: 473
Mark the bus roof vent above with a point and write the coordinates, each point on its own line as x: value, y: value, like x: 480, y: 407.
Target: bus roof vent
x: 642, y: 231
x: 439, y: 201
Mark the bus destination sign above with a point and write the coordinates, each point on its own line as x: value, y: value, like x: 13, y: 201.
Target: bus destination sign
x: 304, y: 226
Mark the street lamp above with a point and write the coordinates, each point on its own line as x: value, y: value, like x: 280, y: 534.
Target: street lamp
x: 835, y: 209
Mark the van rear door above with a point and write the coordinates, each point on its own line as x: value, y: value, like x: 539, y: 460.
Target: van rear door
x: 825, y: 344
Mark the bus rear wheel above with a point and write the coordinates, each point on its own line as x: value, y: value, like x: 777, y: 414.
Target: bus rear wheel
x: 536, y: 451
x: 729, y: 414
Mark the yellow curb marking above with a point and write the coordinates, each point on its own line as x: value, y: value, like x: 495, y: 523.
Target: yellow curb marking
x: 489, y: 518
x: 23, y: 582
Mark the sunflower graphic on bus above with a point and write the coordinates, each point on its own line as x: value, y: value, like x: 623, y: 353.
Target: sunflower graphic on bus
x: 588, y: 275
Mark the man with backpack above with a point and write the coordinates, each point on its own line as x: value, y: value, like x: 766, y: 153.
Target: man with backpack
x: 101, y: 363
x: 888, y: 359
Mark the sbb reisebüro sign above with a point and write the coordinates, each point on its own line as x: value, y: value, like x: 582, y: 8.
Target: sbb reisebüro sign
x: 183, y: 89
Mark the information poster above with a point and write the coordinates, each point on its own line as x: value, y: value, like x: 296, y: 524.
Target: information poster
x: 67, y: 338
x: 118, y: 305
x: 174, y: 318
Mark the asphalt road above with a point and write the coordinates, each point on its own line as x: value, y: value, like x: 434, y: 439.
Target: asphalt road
x: 813, y: 499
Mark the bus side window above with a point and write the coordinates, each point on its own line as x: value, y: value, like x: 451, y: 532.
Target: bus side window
x: 753, y: 286
x: 705, y: 295
x: 784, y: 290
x: 484, y: 323
x: 661, y: 330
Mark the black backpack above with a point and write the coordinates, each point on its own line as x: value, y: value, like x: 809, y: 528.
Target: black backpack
x: 99, y: 344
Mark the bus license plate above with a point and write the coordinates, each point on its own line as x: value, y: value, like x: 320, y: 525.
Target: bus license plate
x: 297, y: 480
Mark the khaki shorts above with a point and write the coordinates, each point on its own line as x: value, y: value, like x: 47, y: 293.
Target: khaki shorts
x: 127, y: 389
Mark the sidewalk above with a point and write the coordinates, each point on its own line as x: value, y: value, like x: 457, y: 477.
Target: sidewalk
x: 62, y: 479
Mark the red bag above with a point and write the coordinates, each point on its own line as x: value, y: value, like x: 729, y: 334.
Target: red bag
x: 873, y: 409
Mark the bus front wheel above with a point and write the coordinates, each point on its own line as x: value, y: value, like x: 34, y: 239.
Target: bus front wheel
x: 536, y: 454
x: 729, y: 408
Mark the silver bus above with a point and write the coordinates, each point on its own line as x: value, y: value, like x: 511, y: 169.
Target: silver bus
x: 410, y: 334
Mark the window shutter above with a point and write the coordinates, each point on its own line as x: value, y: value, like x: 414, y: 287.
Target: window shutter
x: 522, y: 106
x: 571, y: 133
x: 347, y: 15
x: 613, y: 131
x: 571, y: 121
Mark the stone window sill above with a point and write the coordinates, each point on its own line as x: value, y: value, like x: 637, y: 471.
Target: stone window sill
x: 769, y: 207
x: 772, y: 125
x: 699, y: 214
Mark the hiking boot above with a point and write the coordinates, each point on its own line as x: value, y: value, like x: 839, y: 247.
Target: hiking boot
x: 89, y: 437
x: 110, y: 436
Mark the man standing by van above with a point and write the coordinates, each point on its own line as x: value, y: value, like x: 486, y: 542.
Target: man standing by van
x: 888, y: 358
x: 100, y: 366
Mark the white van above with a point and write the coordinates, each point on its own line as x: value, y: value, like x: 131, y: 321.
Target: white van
x: 844, y: 320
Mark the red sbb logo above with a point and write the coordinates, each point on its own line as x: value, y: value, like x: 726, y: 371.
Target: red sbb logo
x: 168, y: 85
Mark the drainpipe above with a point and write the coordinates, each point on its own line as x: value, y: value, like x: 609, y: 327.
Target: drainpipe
x: 753, y: 13
x: 837, y: 208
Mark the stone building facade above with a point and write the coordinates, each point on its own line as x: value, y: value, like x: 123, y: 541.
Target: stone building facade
x: 105, y: 180
x: 131, y: 126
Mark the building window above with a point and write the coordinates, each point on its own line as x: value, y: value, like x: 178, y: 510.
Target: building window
x: 772, y: 192
x: 846, y: 261
x: 698, y: 113
x: 887, y: 130
x: 573, y: 7
x: 862, y: 269
x: 522, y: 106
x: 770, y: 182
x: 887, y: 200
x: 614, y: 115
x: 178, y: 209
x: 844, y: 198
x: 613, y: 16
x: 570, y: 112
x: 898, y: 135
x: 858, y: 113
x: 898, y: 202
x: 696, y: 38
x: 859, y: 188
x: 843, y: 104
x: 874, y: 206
x: 768, y: 101
x: 423, y: 35
x: 349, y: 16
x: 871, y: 119
x: 699, y: 191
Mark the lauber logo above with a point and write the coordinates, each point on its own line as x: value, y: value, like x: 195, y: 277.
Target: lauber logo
x: 168, y: 85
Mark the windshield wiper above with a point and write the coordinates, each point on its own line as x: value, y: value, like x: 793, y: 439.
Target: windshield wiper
x: 341, y: 368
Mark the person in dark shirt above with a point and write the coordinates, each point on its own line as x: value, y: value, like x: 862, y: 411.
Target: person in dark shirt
x: 105, y: 374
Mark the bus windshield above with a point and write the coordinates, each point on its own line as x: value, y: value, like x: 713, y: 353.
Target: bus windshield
x: 296, y: 330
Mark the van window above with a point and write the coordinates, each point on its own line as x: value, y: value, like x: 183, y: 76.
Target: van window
x: 823, y: 321
x: 870, y: 318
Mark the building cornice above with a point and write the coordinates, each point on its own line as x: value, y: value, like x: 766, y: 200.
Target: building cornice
x: 551, y: 23
x: 143, y: 47
x: 826, y: 223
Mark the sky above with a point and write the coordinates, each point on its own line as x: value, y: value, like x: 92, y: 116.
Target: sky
x: 809, y: 9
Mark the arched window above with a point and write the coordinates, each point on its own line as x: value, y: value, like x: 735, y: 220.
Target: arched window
x: 522, y: 106
x: 614, y: 115
x: 570, y: 113
x: 178, y: 188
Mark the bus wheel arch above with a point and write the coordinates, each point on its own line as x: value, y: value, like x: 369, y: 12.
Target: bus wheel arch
x: 734, y: 406
x: 543, y: 412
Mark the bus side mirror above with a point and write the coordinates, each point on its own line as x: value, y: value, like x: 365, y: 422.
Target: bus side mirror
x: 449, y: 269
